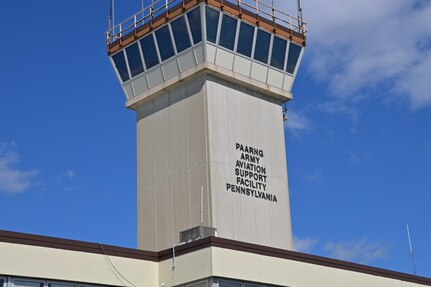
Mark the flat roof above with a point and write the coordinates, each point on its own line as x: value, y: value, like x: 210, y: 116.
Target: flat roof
x: 103, y: 249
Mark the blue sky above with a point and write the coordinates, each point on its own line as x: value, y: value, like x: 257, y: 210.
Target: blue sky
x: 358, y: 138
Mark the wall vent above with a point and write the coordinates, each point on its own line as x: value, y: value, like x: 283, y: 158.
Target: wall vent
x: 197, y: 233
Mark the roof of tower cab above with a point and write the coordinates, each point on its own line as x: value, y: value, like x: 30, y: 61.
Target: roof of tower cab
x: 259, y: 13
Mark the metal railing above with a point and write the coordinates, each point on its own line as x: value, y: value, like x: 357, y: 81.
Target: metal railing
x: 157, y: 8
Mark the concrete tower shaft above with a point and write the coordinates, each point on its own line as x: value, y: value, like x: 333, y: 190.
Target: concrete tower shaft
x: 208, y: 80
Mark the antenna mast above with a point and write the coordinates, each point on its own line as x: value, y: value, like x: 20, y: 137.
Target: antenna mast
x: 300, y: 23
x: 411, y: 249
x: 111, y: 15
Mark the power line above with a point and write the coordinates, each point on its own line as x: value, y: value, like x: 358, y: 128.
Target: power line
x: 116, y: 270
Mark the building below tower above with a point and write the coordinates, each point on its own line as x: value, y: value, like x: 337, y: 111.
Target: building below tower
x: 37, y: 261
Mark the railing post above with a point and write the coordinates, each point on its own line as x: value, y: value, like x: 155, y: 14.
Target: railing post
x: 273, y: 12
x: 167, y: 9
x: 257, y: 7
x: 151, y: 11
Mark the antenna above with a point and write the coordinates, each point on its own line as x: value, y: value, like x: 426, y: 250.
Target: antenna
x: 300, y: 23
x: 411, y: 249
x: 111, y: 14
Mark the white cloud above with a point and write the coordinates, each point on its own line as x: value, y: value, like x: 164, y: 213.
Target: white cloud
x: 316, y: 176
x: 363, y: 46
x: 69, y: 174
x: 362, y: 250
x: 296, y: 122
x: 13, y: 180
x: 305, y: 245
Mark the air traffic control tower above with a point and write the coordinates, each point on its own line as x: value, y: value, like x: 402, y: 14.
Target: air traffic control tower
x: 208, y: 80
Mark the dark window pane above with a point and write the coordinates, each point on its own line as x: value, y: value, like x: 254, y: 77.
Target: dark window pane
x: 120, y: 64
x: 60, y: 285
x: 149, y: 51
x: 225, y: 283
x: 228, y: 32
x: 179, y: 29
x: 22, y: 283
x: 262, y: 46
x: 212, y: 24
x: 294, y: 51
x: 245, y: 41
x: 134, y: 58
x: 194, y: 18
x: 164, y: 42
x: 1, y: 282
x: 278, y: 53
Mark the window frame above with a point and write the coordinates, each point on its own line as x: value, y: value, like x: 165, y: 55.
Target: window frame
x: 30, y: 280
x: 285, y: 53
x: 229, y: 18
x: 156, y: 50
x: 298, y: 59
x: 171, y: 41
x: 201, y: 20
x: 269, y: 47
x: 190, y: 39
x: 215, y: 42
x: 253, y: 40
x: 137, y: 43
x: 116, y: 68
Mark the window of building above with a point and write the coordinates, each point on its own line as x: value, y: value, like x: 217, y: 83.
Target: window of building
x: 261, y: 51
x: 164, y: 42
x: 194, y: 18
x: 121, y: 66
x: 228, y: 283
x: 228, y: 32
x: 25, y: 283
x: 181, y: 35
x: 198, y: 284
x: 1, y: 282
x: 293, y: 56
x: 245, y: 41
x: 278, y: 53
x: 134, y: 59
x: 61, y: 285
x: 212, y: 17
x: 149, y: 51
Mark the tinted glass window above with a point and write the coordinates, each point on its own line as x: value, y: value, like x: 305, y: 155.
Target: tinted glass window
x: 181, y: 35
x: 149, y: 51
x: 60, y: 285
x: 278, y: 53
x: 164, y: 42
x: 1, y: 282
x: 262, y: 46
x: 245, y: 41
x: 22, y: 283
x: 134, y: 58
x: 294, y: 51
x: 120, y: 64
x: 225, y: 283
x: 194, y: 18
x: 212, y: 24
x: 228, y: 32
